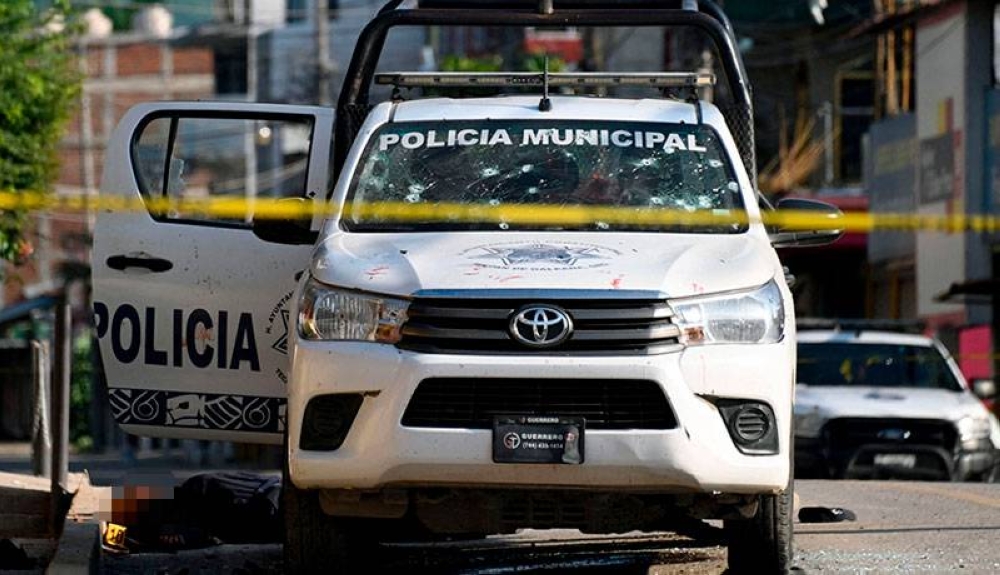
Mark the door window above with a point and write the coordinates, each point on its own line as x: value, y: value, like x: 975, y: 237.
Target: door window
x: 191, y: 160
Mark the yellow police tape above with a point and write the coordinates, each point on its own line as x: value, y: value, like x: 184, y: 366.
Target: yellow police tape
x: 244, y: 209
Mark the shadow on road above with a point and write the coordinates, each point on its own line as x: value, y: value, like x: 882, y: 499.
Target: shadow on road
x: 869, y: 531
x: 527, y: 554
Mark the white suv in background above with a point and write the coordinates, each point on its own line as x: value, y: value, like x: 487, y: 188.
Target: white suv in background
x: 881, y: 404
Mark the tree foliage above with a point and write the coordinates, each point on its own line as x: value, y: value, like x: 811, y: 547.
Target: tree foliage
x: 39, y: 83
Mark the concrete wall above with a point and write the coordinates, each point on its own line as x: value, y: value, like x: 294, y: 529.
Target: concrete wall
x: 288, y: 54
x: 941, y: 111
x: 979, y: 73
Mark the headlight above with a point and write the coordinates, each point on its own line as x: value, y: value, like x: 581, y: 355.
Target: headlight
x: 974, y: 432
x: 749, y: 317
x: 327, y: 313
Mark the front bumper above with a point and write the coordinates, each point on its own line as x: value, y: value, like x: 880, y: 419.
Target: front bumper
x: 930, y: 462
x: 697, y: 456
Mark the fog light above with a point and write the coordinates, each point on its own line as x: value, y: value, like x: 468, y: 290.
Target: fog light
x: 751, y: 425
x: 327, y: 420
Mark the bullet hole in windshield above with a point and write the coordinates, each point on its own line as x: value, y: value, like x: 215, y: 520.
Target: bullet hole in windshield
x: 491, y: 163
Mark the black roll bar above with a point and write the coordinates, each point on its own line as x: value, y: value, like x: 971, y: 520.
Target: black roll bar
x: 353, y: 105
x: 706, y: 6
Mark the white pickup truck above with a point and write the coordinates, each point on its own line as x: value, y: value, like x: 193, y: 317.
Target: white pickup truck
x: 436, y: 365
x: 877, y: 403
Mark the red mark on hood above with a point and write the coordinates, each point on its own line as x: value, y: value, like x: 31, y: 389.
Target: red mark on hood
x: 617, y: 282
x: 375, y: 272
x: 508, y: 278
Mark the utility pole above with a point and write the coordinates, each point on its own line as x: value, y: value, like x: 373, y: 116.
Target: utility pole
x: 59, y: 409
x: 826, y: 110
x: 250, y: 136
x: 324, y: 70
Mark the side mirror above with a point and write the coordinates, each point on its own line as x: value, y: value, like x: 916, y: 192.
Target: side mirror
x: 823, y: 218
x: 281, y: 230
x: 984, y: 388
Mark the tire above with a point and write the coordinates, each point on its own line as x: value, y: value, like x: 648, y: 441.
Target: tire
x: 763, y: 544
x: 315, y: 542
x: 992, y: 475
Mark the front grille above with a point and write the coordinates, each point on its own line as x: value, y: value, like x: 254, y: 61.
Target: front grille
x: 438, y: 325
x: 473, y: 403
x: 844, y: 436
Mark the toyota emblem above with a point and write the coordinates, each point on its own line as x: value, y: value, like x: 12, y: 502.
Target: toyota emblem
x: 541, y: 325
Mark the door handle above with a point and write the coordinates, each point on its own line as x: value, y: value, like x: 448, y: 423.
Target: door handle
x: 120, y: 262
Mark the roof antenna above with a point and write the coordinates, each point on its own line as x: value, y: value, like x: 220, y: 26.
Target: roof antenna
x: 545, y: 105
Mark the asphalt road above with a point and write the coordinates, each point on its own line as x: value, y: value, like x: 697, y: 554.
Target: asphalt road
x: 901, y: 527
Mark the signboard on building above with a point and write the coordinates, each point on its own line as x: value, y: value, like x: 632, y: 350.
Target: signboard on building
x: 891, y: 183
x: 993, y: 150
x: 937, y: 168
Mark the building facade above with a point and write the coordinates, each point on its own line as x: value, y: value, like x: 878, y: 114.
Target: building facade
x: 932, y: 153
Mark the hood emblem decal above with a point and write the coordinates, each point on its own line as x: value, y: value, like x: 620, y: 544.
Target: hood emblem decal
x: 541, y: 326
x: 541, y: 256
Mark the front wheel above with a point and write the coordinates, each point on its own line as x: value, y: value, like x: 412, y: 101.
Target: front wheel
x: 314, y: 541
x: 992, y: 475
x: 319, y: 543
x: 763, y: 544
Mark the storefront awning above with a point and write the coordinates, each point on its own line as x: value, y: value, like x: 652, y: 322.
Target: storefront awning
x: 971, y: 291
x: 22, y: 310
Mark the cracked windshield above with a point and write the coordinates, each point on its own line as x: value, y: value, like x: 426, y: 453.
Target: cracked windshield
x: 425, y: 175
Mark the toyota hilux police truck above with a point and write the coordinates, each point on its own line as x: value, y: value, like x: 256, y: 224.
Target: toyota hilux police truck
x: 485, y: 314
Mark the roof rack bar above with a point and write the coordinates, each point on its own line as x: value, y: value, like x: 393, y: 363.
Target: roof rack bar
x: 390, y: 6
x: 556, y: 79
x: 361, y: 70
x: 860, y: 324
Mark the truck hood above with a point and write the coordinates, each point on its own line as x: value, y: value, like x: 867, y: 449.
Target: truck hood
x: 828, y: 402
x: 677, y: 265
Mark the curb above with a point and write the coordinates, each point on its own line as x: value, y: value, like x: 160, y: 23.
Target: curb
x: 78, y: 549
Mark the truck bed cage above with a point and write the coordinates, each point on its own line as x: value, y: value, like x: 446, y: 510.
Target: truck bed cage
x: 702, y: 15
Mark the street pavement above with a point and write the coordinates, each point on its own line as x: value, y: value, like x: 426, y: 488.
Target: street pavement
x: 901, y: 527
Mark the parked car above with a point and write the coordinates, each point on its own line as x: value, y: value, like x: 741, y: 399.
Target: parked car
x: 873, y: 403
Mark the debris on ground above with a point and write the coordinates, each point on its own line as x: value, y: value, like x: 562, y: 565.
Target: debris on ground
x: 826, y: 515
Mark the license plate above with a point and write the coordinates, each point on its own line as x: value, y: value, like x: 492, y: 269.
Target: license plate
x: 532, y: 439
x: 907, y: 460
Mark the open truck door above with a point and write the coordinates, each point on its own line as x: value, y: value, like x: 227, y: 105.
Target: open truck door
x: 191, y: 308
